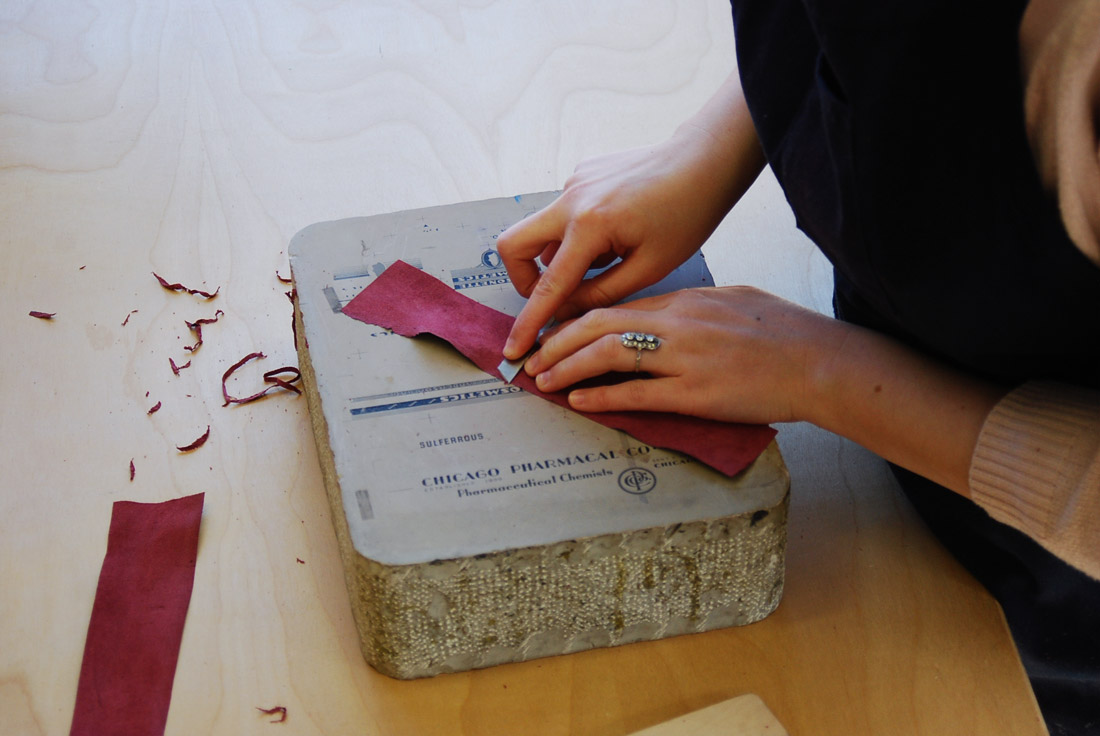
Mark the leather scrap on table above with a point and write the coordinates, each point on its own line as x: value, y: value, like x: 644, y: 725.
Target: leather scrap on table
x: 137, y: 619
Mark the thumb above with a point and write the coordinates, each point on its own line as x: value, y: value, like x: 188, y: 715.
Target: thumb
x: 612, y: 286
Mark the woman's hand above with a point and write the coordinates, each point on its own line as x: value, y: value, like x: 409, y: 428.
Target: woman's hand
x: 640, y: 206
x: 733, y: 354
x: 740, y: 354
x: 652, y: 208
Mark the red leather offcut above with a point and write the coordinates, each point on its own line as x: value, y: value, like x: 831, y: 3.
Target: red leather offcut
x: 137, y: 619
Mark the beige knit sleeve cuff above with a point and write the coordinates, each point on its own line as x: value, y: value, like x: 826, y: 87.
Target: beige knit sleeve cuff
x: 1036, y: 467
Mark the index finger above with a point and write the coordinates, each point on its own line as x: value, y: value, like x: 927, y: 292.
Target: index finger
x: 553, y: 287
x: 521, y: 245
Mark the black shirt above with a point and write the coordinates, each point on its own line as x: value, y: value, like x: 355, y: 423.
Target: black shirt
x: 897, y: 133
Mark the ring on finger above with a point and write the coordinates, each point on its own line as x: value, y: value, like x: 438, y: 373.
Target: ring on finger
x: 639, y: 341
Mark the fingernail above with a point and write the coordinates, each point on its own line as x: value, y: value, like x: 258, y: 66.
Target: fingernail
x: 509, y: 348
x: 576, y: 399
x: 540, y: 381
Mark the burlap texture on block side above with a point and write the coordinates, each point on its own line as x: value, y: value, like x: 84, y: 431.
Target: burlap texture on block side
x: 453, y: 615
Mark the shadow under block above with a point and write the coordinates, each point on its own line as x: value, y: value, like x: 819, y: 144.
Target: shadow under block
x: 480, y: 525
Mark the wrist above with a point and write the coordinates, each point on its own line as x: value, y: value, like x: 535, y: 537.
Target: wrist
x: 720, y: 140
x: 828, y: 367
x: 899, y: 403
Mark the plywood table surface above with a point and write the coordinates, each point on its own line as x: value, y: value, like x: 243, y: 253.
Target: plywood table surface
x: 193, y: 140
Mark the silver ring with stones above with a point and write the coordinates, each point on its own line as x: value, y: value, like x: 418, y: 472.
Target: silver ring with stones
x: 640, y: 341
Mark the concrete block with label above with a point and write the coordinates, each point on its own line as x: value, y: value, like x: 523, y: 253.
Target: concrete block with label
x: 479, y: 524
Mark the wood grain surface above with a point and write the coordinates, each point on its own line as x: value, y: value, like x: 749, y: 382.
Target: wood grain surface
x: 193, y: 139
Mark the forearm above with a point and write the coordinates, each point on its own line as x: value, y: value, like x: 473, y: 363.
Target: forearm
x: 900, y: 404
x: 1030, y: 458
x: 721, y: 140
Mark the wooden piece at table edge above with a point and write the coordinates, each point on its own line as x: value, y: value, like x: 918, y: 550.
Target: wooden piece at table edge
x: 744, y: 715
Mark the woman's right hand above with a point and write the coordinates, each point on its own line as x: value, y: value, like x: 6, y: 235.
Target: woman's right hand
x: 651, y: 207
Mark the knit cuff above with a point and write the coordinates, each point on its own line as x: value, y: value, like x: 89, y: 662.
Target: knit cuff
x: 1036, y: 467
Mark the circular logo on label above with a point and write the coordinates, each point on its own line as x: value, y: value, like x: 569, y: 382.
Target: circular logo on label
x: 637, y: 481
x: 490, y: 259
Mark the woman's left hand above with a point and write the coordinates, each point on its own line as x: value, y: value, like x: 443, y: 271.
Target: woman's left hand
x: 733, y: 354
